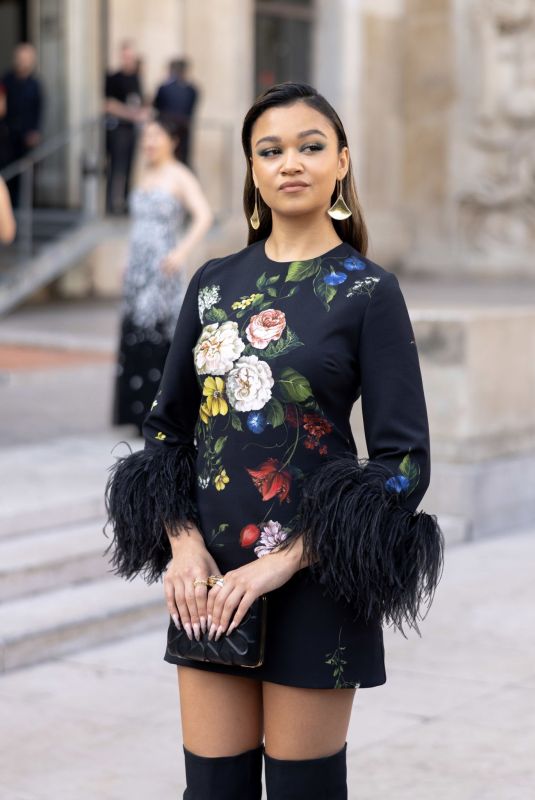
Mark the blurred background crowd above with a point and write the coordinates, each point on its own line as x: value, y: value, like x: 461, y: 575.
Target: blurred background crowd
x: 121, y: 167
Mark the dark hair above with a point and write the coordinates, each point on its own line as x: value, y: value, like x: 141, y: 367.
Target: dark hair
x: 351, y: 230
x: 178, y: 66
x: 170, y: 124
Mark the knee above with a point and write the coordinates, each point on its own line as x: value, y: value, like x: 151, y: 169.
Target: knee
x: 321, y: 778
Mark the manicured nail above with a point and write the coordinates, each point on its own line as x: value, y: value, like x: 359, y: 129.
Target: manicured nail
x: 188, y: 630
x: 203, y: 624
x: 209, y: 621
x: 219, y: 632
x: 213, y: 629
x: 197, y: 630
x: 175, y: 620
x: 230, y: 628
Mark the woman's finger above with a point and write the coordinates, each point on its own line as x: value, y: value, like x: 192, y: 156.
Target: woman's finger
x: 201, y: 595
x: 180, y: 599
x: 191, y: 602
x: 231, y: 603
x: 219, y: 604
x: 169, y: 591
x: 244, y: 606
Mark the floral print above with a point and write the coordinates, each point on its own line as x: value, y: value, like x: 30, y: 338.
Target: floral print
x: 249, y: 384
x: 265, y: 327
x: 217, y: 349
x: 208, y: 297
x: 338, y: 663
x: 407, y: 478
x: 271, y: 535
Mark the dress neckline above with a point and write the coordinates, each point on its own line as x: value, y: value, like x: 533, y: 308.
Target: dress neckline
x: 333, y: 251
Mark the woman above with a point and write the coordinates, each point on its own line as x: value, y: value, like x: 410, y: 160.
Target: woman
x: 8, y: 226
x: 155, y: 278
x: 254, y: 473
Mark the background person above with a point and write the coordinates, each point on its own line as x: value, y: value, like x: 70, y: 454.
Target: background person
x: 155, y: 279
x: 178, y: 98
x: 124, y: 111
x: 21, y: 109
x: 8, y: 226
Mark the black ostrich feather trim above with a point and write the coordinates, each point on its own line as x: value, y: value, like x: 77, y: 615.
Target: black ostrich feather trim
x: 148, y: 492
x: 363, y: 546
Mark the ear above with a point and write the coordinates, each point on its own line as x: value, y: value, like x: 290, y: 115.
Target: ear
x: 343, y: 163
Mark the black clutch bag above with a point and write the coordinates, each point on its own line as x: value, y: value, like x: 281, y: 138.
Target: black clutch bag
x: 244, y: 647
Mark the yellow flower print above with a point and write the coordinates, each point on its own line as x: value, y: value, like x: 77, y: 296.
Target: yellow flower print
x: 213, y: 391
x: 221, y: 479
x: 160, y: 436
x: 244, y: 302
x: 204, y: 413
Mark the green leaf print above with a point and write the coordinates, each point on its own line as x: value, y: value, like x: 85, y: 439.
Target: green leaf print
x: 411, y: 470
x: 219, y: 444
x: 271, y: 291
x: 215, y: 314
x: 293, y: 387
x: 323, y: 290
x: 287, y: 342
x: 274, y: 412
x: 301, y: 270
x: 235, y: 421
x: 335, y: 660
x: 272, y: 280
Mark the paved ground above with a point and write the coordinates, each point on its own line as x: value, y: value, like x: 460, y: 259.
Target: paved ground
x: 455, y: 720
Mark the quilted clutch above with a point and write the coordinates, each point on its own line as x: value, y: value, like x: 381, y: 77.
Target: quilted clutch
x: 244, y: 647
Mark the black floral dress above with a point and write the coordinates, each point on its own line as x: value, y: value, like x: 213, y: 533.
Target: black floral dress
x: 249, y: 436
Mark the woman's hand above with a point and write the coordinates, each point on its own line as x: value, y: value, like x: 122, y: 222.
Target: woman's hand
x: 190, y: 560
x: 243, y: 585
x: 173, y: 262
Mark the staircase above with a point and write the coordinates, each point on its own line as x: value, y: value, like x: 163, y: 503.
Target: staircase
x: 57, y: 592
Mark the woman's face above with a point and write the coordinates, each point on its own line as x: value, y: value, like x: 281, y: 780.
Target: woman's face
x: 295, y: 159
x: 156, y: 144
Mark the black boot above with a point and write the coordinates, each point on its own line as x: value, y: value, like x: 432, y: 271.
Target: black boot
x: 308, y: 779
x: 236, y: 777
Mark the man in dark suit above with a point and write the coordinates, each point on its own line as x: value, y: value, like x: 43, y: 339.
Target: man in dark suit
x: 177, y: 98
x: 21, y: 108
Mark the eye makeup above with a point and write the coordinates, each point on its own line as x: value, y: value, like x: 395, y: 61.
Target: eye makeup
x: 268, y: 151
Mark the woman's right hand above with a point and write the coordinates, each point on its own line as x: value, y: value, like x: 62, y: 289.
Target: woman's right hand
x: 190, y: 560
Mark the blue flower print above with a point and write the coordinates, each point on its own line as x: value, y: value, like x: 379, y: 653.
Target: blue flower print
x: 398, y: 483
x: 334, y: 278
x: 256, y: 422
x: 353, y: 263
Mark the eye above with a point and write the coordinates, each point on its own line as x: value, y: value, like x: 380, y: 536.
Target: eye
x: 313, y: 147
x: 270, y: 151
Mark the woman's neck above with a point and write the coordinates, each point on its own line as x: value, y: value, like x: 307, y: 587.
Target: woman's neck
x: 297, y: 239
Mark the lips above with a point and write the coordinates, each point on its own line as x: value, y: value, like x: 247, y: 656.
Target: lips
x: 289, y: 185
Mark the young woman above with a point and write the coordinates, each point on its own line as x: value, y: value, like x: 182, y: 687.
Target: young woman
x: 250, y: 470
x: 155, y: 280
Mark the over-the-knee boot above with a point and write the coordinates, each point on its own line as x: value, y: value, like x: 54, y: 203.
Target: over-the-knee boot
x: 224, y: 777
x: 308, y: 779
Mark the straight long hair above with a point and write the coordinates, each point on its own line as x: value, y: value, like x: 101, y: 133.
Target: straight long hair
x: 351, y: 230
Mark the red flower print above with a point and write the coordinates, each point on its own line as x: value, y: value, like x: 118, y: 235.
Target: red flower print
x: 249, y: 534
x: 292, y: 415
x: 271, y: 481
x: 316, y: 426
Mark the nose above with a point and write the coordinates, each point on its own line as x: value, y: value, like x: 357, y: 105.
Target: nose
x: 292, y: 162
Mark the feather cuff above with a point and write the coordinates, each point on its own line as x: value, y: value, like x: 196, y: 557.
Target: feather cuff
x: 149, y: 492
x: 363, y: 545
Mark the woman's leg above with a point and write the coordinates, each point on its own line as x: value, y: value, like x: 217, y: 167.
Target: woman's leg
x: 306, y: 742
x: 222, y: 732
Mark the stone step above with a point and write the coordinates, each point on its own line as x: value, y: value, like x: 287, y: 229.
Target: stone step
x: 43, y: 560
x: 50, y: 484
x: 72, y: 618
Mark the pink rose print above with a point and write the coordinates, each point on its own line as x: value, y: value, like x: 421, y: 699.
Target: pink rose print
x: 265, y: 327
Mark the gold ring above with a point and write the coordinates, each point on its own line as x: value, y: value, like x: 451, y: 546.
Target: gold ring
x: 215, y: 579
x: 199, y: 581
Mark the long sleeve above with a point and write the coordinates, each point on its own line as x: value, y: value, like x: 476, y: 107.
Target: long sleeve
x: 361, y: 532
x: 150, y: 493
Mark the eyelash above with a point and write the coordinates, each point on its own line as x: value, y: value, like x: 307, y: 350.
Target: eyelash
x: 266, y: 153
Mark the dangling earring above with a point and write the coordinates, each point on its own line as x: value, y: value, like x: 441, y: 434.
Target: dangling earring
x: 339, y: 209
x: 254, y: 219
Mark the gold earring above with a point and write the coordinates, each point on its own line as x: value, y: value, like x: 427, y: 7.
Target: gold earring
x: 339, y: 209
x: 254, y: 219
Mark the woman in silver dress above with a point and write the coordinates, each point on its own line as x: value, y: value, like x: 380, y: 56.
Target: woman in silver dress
x: 155, y: 278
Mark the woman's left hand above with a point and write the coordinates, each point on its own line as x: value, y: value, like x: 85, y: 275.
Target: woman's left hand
x: 173, y: 262
x: 243, y: 585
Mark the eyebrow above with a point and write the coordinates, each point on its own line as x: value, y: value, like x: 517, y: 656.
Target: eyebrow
x: 299, y: 136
